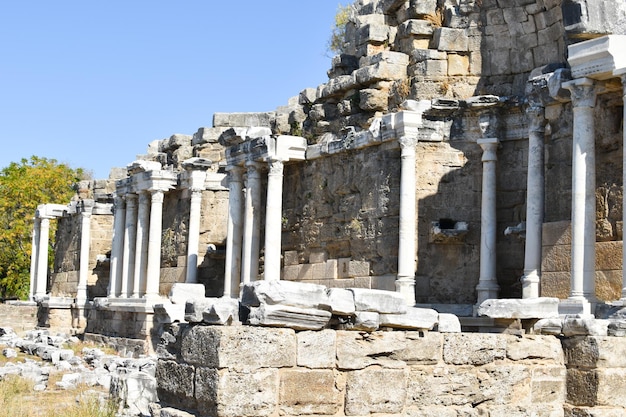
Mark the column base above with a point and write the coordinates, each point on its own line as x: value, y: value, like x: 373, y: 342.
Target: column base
x: 487, y: 290
x: 406, y: 287
x: 530, y: 285
x: 573, y: 306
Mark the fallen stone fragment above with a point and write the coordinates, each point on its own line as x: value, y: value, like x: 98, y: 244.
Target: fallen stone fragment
x: 526, y: 308
x: 222, y: 311
x: 379, y: 301
x: 341, y: 301
x: 549, y: 326
x: 287, y: 293
x: 580, y: 325
x: 414, y: 318
x: 288, y: 316
x: 448, y: 323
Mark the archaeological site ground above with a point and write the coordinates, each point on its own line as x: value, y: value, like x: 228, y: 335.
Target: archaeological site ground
x: 435, y: 231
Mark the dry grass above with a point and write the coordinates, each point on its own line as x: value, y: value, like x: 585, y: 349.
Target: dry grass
x: 19, y: 399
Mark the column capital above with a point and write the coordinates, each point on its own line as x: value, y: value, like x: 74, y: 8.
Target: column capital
x: 583, y: 92
x: 536, y: 116
x: 489, y: 147
x: 254, y: 168
x: 276, y: 166
x: 407, y: 145
x: 488, y: 123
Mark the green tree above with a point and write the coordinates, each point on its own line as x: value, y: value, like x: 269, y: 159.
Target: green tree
x: 336, y: 43
x: 23, y: 186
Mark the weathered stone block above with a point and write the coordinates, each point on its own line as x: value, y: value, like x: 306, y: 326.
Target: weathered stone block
x: 290, y: 257
x: 595, y: 352
x: 380, y: 72
x: 206, y: 390
x: 379, y: 301
x: 341, y: 301
x: 413, y: 318
x: 373, y: 99
x: 316, y: 349
x: 548, y: 384
x: 175, y: 383
x: 431, y: 386
x: 241, y: 348
x: 247, y: 394
x: 307, y: 392
x: 528, y: 308
x: 447, y: 39
x: 472, y: 348
x: 458, y: 65
x: 288, y: 293
x: 582, y: 387
x: 358, y: 351
x: 415, y: 27
x: 288, y: 316
x: 534, y: 348
x: 375, y: 390
x: 556, y: 233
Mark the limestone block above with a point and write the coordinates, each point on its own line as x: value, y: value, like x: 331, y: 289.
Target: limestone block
x: 169, y: 313
x: 338, y: 85
x: 316, y: 349
x: 331, y: 269
x: 415, y: 27
x: 373, y: 33
x: 527, y: 308
x: 295, y: 294
x: 358, y: 269
x: 582, y: 387
x: 548, y: 384
x: 447, y: 386
x: 341, y: 301
x: 458, y: 65
x: 557, y: 233
x: 243, y: 119
x: 609, y: 256
x: 290, y: 257
x: 241, y: 348
x: 181, y: 292
x: 534, y: 347
x: 389, y: 57
x: 413, y: 318
x: 429, y: 68
x: 376, y: 390
x: 611, y: 387
x: 223, y: 311
x: 584, y: 325
x: 205, y: 389
x: 420, y: 55
x: 548, y: 326
x: 366, y: 321
x: 448, y: 323
x: 318, y: 256
x: 194, y: 309
x: 555, y: 284
x: 473, y: 348
x: 556, y: 258
x: 505, y: 384
x: 373, y: 99
x: 321, y: 395
x: 175, y: 383
x: 448, y: 39
x: 297, y: 318
x: 422, y: 348
x: 379, y: 301
x: 343, y: 267
x: 359, y: 350
x: 422, y: 7
x: 173, y: 412
x: 247, y: 394
x: 380, y: 72
x: 595, y: 352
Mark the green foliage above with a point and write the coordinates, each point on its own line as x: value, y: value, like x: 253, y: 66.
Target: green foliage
x: 337, y: 37
x: 23, y: 186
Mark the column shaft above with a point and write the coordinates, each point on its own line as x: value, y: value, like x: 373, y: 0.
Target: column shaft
x: 273, y: 220
x: 154, y: 245
x: 405, y: 282
x: 535, y: 196
x: 34, y: 257
x: 583, y: 191
x: 487, y: 287
x: 41, y: 283
x: 623, y: 77
x: 141, y: 245
x: 234, y: 232
x: 130, y: 236
x: 117, y: 247
x: 252, y: 221
x: 193, y: 236
x: 85, y: 240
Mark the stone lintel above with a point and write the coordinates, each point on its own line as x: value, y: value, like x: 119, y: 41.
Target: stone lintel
x: 598, y: 58
x: 51, y: 211
x: 160, y: 180
x: 193, y: 179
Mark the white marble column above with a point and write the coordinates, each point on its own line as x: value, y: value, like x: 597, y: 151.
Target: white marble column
x: 405, y: 281
x: 86, y: 207
x: 535, y: 196
x: 117, y: 246
x: 232, y: 270
x: 41, y: 281
x: 252, y: 222
x: 154, y: 245
x: 193, y: 236
x: 583, y: 194
x: 622, y: 74
x: 488, y: 287
x: 34, y: 252
x: 141, y: 245
x: 130, y: 237
x: 273, y: 219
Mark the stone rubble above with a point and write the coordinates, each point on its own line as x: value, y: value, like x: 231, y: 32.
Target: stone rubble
x: 131, y: 381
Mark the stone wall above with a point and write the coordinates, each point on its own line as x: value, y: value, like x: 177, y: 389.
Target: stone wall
x: 17, y: 316
x: 248, y: 371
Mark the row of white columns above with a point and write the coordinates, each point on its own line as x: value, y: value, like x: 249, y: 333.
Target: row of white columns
x: 244, y: 224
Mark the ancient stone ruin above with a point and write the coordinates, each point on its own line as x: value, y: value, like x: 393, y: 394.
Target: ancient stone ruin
x: 458, y: 180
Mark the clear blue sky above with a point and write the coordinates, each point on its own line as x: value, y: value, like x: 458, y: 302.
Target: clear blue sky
x: 92, y: 83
